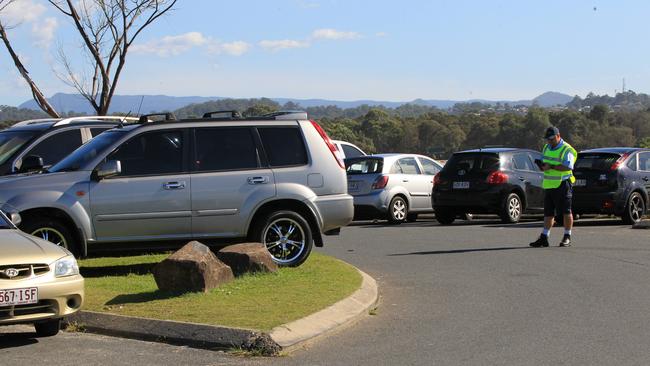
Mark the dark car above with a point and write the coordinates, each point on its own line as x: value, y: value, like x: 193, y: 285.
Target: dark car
x: 34, y: 144
x: 612, y: 181
x: 502, y: 181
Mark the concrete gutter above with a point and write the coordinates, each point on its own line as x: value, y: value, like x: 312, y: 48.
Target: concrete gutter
x: 643, y: 224
x: 286, y: 337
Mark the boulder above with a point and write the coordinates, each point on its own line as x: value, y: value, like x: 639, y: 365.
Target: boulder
x: 247, y: 257
x: 193, y: 268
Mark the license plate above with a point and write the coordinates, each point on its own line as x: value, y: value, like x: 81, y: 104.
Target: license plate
x: 461, y: 185
x: 580, y: 183
x: 353, y: 186
x: 19, y: 296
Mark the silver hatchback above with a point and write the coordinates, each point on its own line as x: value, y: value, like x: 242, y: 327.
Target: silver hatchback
x: 396, y: 187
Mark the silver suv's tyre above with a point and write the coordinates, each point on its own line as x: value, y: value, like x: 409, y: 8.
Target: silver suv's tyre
x: 48, y: 328
x: 52, y: 230
x: 634, y: 209
x: 286, y: 235
x: 511, y: 209
x: 398, y: 210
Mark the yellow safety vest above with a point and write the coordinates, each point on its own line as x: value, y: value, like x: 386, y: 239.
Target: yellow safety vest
x: 553, y: 178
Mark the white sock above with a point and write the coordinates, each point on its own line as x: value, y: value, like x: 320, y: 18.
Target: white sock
x: 546, y: 232
x: 567, y: 232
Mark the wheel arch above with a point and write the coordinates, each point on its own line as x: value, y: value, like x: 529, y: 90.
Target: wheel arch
x: 59, y: 214
x: 288, y: 204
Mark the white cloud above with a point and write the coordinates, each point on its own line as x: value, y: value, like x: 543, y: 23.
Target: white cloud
x: 381, y: 34
x: 171, y: 45
x: 44, y: 31
x: 236, y: 48
x: 334, y: 34
x: 176, y: 45
x: 22, y: 11
x: 282, y: 44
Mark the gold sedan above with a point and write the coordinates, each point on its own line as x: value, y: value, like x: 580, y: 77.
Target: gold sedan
x: 39, y: 281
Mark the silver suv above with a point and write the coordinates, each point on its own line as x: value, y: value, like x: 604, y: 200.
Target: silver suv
x: 276, y: 179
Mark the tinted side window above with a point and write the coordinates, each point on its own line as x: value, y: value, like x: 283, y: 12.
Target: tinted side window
x: 631, y: 163
x: 409, y: 166
x: 430, y: 168
x: 284, y: 146
x: 351, y: 151
x: 644, y: 161
x: 225, y: 149
x: 151, y: 153
x: 522, y: 162
x: 97, y: 130
x: 57, y: 146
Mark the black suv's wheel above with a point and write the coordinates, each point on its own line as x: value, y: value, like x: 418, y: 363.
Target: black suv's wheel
x: 398, y: 210
x: 286, y: 235
x: 48, y: 328
x: 634, y: 209
x: 445, y: 215
x: 52, y: 230
x: 511, y: 209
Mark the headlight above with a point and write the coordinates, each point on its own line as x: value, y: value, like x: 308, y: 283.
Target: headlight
x: 66, y: 266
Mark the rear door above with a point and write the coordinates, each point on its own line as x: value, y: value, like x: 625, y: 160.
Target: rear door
x: 429, y: 169
x: 229, y: 180
x: 150, y: 198
x: 414, y: 182
x: 526, y: 172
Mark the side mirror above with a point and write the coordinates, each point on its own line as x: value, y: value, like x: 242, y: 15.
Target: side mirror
x: 31, y: 163
x: 15, y: 218
x: 109, y: 169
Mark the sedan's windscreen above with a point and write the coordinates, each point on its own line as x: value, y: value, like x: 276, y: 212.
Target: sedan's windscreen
x: 596, y: 161
x: 472, y: 163
x: 87, y: 151
x: 364, y: 165
x: 11, y: 141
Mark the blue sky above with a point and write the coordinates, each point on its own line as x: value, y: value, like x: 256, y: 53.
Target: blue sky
x: 350, y: 50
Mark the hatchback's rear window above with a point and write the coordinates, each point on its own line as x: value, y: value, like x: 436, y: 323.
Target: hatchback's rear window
x: 364, y: 165
x: 472, y: 162
x: 596, y: 161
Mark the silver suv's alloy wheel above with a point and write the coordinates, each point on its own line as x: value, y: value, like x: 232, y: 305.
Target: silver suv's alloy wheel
x: 285, y: 240
x: 52, y: 235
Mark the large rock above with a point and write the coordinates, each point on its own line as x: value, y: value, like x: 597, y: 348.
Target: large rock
x: 247, y: 257
x: 193, y: 268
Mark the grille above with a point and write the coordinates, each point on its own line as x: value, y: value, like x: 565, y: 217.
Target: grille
x: 42, y: 307
x: 24, y: 271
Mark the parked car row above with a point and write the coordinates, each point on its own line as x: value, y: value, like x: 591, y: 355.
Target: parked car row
x: 501, y: 181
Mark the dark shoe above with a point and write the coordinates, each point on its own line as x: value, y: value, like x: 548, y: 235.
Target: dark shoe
x: 542, y: 241
x: 566, y: 241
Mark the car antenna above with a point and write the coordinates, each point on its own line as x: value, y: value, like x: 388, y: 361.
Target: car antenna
x: 123, y: 119
x: 140, y: 106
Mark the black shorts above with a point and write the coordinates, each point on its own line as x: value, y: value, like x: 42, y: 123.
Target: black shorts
x: 557, y: 201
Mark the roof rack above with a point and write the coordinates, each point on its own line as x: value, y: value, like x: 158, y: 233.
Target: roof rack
x: 117, y: 119
x: 233, y: 114
x: 147, y: 117
x: 287, y: 115
x: 32, y: 122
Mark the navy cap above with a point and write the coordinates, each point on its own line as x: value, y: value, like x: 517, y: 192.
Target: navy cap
x: 550, y: 132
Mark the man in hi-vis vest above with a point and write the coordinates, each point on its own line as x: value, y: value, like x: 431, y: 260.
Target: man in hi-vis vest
x: 557, y: 165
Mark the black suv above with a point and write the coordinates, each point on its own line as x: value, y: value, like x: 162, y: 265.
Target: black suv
x: 503, y: 181
x: 34, y: 144
x: 612, y: 181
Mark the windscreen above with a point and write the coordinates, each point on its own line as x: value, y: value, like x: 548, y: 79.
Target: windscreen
x: 472, y: 163
x: 596, y: 161
x: 364, y: 165
x: 12, y: 141
x: 88, y: 151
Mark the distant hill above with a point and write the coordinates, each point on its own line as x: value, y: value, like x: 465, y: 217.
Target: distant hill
x: 66, y: 103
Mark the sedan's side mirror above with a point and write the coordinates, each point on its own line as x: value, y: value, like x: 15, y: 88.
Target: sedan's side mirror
x: 109, y: 169
x: 31, y: 163
x: 15, y: 218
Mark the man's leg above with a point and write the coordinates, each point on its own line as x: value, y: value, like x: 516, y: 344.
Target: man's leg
x: 567, y: 193
x: 549, y: 213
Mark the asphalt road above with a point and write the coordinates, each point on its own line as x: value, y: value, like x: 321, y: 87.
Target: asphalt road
x: 466, y: 294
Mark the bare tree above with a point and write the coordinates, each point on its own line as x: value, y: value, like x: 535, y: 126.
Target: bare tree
x: 107, y: 28
x: 36, y: 92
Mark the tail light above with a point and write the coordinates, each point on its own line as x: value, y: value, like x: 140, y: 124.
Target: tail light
x: 436, y: 179
x: 380, y: 182
x: 497, y: 177
x: 619, y: 162
x: 333, y: 149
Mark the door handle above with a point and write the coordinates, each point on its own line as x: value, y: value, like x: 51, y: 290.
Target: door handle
x: 405, y: 180
x: 258, y: 180
x: 645, y: 179
x: 522, y: 179
x: 174, y: 185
